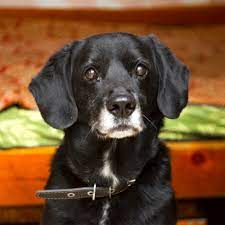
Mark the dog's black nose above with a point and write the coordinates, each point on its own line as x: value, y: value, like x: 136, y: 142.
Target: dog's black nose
x: 121, y: 105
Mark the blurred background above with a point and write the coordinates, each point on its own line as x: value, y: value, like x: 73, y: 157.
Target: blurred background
x: 30, y: 31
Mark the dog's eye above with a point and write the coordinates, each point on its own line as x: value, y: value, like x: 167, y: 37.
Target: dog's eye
x: 141, y: 70
x: 91, y: 74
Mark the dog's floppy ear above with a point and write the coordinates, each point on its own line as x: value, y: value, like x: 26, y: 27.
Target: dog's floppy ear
x: 52, y: 90
x: 173, y: 79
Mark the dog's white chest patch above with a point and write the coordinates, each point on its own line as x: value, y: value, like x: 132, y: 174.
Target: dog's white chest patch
x: 107, y: 169
x: 105, y: 214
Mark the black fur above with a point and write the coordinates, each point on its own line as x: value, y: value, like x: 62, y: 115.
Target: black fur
x: 70, y: 102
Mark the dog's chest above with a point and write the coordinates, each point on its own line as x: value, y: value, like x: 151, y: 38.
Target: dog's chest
x: 106, y: 170
x: 105, y: 214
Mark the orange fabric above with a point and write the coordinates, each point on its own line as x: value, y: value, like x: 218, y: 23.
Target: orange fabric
x: 27, y: 43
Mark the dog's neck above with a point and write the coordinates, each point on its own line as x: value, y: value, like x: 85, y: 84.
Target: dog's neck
x: 108, y: 162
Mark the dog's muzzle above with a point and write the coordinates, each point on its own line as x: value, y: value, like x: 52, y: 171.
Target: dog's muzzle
x: 120, y: 117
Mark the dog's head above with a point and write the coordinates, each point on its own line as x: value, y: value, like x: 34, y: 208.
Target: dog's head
x: 111, y: 82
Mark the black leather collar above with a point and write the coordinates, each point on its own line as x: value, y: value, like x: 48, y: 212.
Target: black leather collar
x: 83, y: 192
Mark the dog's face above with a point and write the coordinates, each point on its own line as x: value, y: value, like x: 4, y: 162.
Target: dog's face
x: 111, y: 82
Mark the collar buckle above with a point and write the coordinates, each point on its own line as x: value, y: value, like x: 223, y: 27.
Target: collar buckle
x: 111, y: 191
x: 92, y: 193
x: 130, y: 182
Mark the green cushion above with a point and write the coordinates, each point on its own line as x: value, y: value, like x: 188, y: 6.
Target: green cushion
x: 26, y: 128
x: 196, y: 122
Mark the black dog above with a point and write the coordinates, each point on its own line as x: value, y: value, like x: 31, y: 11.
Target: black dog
x: 110, y: 93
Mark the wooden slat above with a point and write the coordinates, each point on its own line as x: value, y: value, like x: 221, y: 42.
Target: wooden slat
x: 174, y: 14
x: 17, y: 215
x: 32, y: 215
x: 22, y: 172
x: 198, y: 169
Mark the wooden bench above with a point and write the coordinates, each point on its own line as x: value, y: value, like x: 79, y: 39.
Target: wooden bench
x: 198, y: 170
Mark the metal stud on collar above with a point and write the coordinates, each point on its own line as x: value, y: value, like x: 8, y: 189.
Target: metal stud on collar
x: 71, y: 195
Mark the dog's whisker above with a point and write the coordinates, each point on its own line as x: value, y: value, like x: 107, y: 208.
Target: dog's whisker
x: 91, y: 130
x: 82, y: 142
x: 150, y: 121
x: 93, y: 101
